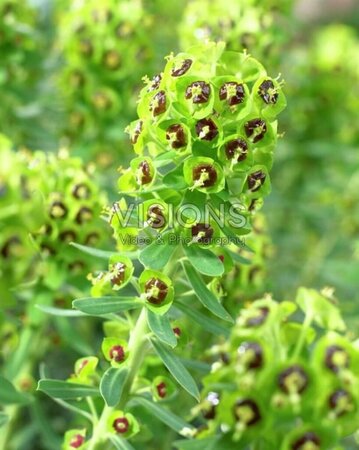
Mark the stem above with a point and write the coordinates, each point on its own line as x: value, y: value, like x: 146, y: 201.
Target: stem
x: 301, y: 341
x: 137, y: 351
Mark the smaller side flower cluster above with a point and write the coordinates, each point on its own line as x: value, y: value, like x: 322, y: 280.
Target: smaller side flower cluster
x: 297, y: 378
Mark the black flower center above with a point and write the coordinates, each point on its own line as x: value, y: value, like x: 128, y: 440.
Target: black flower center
x: 251, y: 355
x: 336, y: 358
x: 118, y: 273
x: 211, y: 403
x: 206, y: 129
x: 144, y: 173
x: 202, y: 232
x: 58, y: 210
x: 307, y: 438
x: 232, y: 92
x: 255, y: 129
x: 112, y: 59
x: 205, y: 174
x: 155, y: 217
x: 182, y: 69
x: 158, y: 103
x: 341, y: 401
x: 293, y: 380
x: 84, y: 215
x: 268, y: 92
x: 247, y: 411
x: 67, y: 236
x: 81, y: 191
x: 236, y: 150
x: 176, y: 136
x: 155, y: 83
x: 136, y: 132
x: 256, y: 180
x: 156, y: 291
x: 258, y: 318
x: 199, y: 92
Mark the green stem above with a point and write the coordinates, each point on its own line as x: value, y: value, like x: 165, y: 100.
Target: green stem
x: 137, y: 351
x: 303, y: 335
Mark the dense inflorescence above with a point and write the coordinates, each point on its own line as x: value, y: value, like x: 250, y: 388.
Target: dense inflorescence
x: 251, y: 24
x: 299, y: 378
x: 106, y: 50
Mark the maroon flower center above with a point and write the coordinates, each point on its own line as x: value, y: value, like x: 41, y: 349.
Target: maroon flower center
x: 251, y: 354
x: 144, y: 173
x: 232, y: 92
x: 236, y: 150
x: 136, y: 132
x: 77, y: 441
x: 158, y: 103
x: 247, y: 411
x: 81, y: 191
x: 206, y: 129
x: 176, y: 136
x: 258, y: 318
x: 212, y: 401
x: 198, y: 91
x: 58, y: 210
x: 121, y: 425
x: 336, y: 358
x: 182, y: 69
x: 155, y: 83
x: 157, y: 291
x: 84, y: 215
x: 155, y: 217
x: 206, y: 173
x: 203, y: 233
x: 161, y: 389
x: 256, y: 180
x: 82, y: 365
x: 268, y: 92
x: 255, y: 129
x: 293, y: 380
x: 341, y: 401
x: 177, y: 331
x: 307, y: 438
x: 118, y: 273
x: 67, y: 236
x: 117, y: 353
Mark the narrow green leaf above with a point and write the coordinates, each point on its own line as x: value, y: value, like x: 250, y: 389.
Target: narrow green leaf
x: 161, y: 327
x: 158, y: 253
x: 9, y: 395
x: 66, y: 390
x: 105, y: 305
x: 112, y: 383
x: 102, y: 254
x: 240, y: 259
x: 198, y: 366
x: 209, y: 324
x: 197, y: 444
x: 204, y: 261
x: 4, y: 418
x: 177, y: 369
x: 204, y: 295
x: 60, y: 311
x: 176, y: 423
x: 120, y: 443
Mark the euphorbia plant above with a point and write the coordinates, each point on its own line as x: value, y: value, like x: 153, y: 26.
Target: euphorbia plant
x: 205, y: 139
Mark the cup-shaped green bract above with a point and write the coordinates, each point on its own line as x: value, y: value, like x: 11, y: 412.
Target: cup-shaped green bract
x: 115, y: 350
x: 157, y: 291
x: 122, y: 424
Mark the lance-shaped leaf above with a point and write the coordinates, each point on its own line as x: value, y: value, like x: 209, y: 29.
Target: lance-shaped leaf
x: 204, y: 295
x: 4, y: 418
x: 177, y: 369
x: 102, y: 254
x: 9, y: 395
x: 97, y: 306
x: 204, y: 261
x: 210, y: 325
x: 158, y: 253
x: 209, y: 443
x: 66, y: 390
x: 161, y: 327
x: 120, y: 443
x: 112, y: 383
x: 164, y: 415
